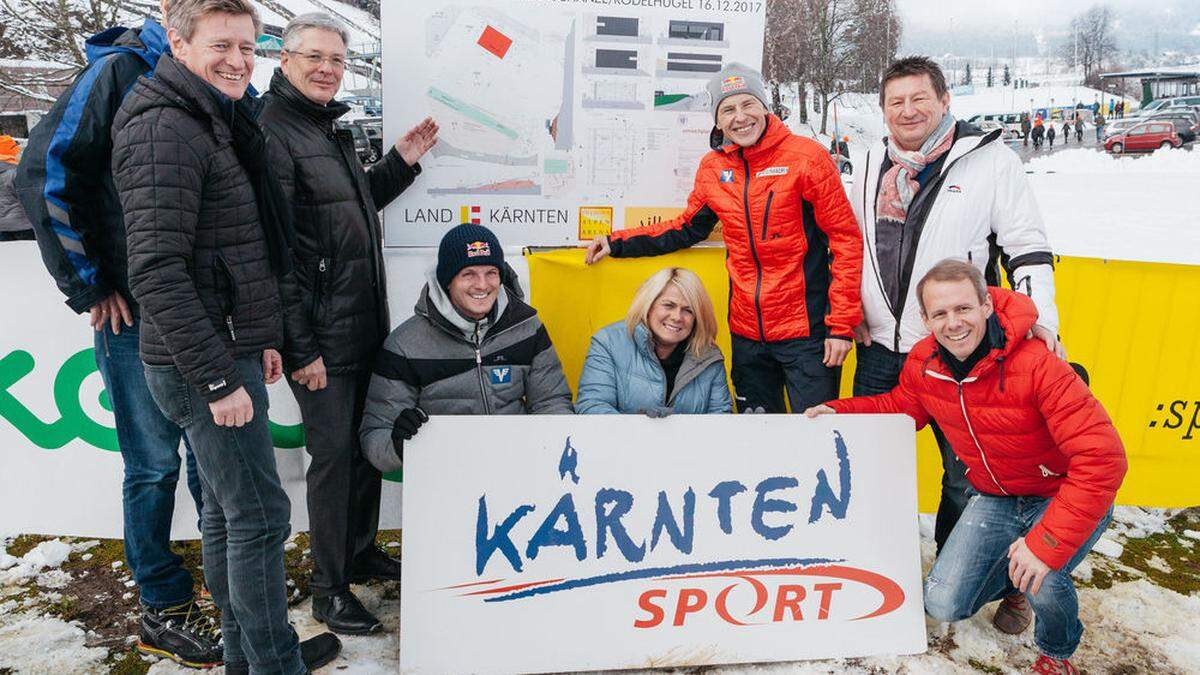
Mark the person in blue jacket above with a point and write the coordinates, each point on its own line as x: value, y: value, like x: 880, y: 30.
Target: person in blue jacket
x: 662, y: 359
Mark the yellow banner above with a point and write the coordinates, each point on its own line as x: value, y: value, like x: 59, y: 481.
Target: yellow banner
x: 1134, y: 326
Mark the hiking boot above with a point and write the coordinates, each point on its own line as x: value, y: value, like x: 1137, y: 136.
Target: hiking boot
x: 315, y: 652
x: 181, y: 633
x: 374, y: 564
x: 1013, y: 615
x: 345, y: 614
x: 1048, y: 666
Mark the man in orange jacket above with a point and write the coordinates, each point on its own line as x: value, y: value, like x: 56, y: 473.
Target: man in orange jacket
x: 794, y: 248
x: 1040, y: 451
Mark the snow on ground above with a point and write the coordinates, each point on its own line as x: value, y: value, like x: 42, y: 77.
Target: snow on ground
x: 1089, y: 201
x: 1132, y: 626
x: 33, y: 644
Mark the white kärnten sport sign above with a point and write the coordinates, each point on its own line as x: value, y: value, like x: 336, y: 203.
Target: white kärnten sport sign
x: 536, y: 544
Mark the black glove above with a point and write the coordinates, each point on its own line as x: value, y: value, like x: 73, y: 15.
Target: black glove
x: 405, y: 427
x: 760, y: 410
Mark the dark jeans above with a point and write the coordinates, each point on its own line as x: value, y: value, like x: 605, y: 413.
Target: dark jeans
x: 972, y: 571
x: 763, y: 370
x: 245, y: 522
x: 878, y: 372
x: 343, y: 487
x: 150, y: 453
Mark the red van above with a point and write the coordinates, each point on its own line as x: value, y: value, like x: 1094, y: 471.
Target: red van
x: 1144, y: 137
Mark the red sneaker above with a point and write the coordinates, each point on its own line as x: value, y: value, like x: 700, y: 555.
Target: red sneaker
x: 1048, y: 666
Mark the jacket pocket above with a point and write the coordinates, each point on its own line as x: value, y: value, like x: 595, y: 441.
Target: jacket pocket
x: 767, y: 213
x: 227, y: 291
x: 322, y: 273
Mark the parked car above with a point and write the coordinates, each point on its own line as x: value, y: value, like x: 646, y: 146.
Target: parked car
x: 988, y: 126
x: 1187, y: 122
x: 364, y: 106
x: 362, y: 146
x: 1147, y: 136
x: 1010, y: 121
x: 1164, y: 104
x: 374, y: 131
x: 1120, y: 126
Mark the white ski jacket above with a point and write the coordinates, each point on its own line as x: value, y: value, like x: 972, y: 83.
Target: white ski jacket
x: 982, y: 210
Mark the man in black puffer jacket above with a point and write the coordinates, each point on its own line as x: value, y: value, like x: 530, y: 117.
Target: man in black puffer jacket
x: 207, y: 247
x: 333, y: 342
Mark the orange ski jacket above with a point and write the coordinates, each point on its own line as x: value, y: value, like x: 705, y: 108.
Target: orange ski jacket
x: 795, y: 249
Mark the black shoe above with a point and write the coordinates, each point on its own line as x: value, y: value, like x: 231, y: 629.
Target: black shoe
x: 182, y: 634
x: 319, y: 650
x: 344, y: 614
x: 374, y: 564
x: 314, y: 652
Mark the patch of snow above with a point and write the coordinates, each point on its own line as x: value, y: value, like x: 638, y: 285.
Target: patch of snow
x: 1191, y: 534
x: 117, y: 563
x: 1107, y: 547
x: 1136, y: 522
x: 46, y: 555
x: 47, y: 645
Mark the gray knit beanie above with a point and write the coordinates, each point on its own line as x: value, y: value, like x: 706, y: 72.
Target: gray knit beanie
x: 733, y: 79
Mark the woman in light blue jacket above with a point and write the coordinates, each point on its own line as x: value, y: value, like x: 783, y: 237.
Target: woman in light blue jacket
x: 662, y: 359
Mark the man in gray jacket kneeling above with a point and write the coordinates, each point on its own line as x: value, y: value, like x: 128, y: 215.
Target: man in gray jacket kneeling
x: 473, y: 348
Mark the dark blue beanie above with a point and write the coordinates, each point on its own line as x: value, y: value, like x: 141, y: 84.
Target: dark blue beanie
x: 466, y: 245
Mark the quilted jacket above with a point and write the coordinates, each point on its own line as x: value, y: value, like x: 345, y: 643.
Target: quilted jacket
x: 446, y: 364
x: 339, y: 259
x: 1023, y: 423
x: 795, y: 251
x: 623, y: 375
x: 197, y: 253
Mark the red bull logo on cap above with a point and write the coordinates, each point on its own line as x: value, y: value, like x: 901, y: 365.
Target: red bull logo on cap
x: 477, y: 249
x: 732, y: 83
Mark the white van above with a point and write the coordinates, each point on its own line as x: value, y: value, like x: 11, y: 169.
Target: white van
x: 1010, y: 121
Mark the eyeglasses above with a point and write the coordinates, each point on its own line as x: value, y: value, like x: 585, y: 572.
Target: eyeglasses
x: 315, y: 59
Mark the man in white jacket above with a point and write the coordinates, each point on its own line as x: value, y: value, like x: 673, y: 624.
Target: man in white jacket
x: 938, y: 188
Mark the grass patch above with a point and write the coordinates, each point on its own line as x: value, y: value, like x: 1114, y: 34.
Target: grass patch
x: 983, y: 667
x: 24, y: 543
x: 126, y: 663
x: 1183, y: 561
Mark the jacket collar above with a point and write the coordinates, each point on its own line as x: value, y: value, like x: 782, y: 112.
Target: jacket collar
x: 967, y: 139
x: 148, y: 43
x: 692, y: 365
x: 510, y: 308
x: 289, y: 94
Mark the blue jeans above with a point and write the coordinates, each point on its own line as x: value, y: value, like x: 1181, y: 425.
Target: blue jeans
x: 878, y: 372
x: 762, y: 371
x: 245, y: 522
x: 150, y: 452
x: 972, y: 571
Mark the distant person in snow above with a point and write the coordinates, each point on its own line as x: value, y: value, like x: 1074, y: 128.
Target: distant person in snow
x: 1079, y: 129
x: 1038, y: 133
x: 1025, y: 127
x: 14, y: 224
x: 1100, y: 122
x: 1050, y: 133
x: 1066, y: 131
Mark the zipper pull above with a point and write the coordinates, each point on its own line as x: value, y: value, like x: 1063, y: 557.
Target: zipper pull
x: 321, y: 267
x: 229, y: 325
x: 478, y: 357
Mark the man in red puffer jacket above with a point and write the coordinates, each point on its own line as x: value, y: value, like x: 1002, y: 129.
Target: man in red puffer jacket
x: 1038, y: 447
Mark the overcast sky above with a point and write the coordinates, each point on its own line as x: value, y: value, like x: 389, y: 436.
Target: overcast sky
x: 1030, y: 14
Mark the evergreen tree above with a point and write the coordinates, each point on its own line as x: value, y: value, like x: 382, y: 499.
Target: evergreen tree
x: 1007, y: 76
x: 989, y: 77
x: 967, y: 75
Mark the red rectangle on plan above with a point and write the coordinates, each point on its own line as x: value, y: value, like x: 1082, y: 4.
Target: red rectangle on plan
x: 495, y: 42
